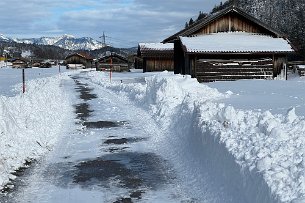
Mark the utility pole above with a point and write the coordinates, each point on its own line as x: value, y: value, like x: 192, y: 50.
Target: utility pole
x: 103, y: 39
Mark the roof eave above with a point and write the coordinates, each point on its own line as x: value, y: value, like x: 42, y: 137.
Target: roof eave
x: 205, y: 21
x: 239, y: 52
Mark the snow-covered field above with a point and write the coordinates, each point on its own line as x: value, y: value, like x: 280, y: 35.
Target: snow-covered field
x: 11, y: 76
x: 243, y: 139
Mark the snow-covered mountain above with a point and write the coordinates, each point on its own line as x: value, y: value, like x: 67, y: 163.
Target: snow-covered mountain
x: 4, y: 38
x: 66, y: 41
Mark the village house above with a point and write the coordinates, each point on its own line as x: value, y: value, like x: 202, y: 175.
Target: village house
x: 79, y: 61
x: 114, y: 61
x: 155, y: 57
x: 230, y: 45
x: 20, y: 63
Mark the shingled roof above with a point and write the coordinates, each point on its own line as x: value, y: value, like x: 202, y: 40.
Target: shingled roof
x: 189, y: 31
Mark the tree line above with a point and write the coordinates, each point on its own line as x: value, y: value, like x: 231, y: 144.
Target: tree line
x: 55, y: 52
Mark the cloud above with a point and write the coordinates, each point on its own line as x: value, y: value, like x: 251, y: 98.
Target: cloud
x: 127, y: 22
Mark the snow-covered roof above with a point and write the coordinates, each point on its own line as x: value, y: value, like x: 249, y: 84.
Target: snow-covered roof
x: 235, y: 42
x: 301, y: 66
x: 157, y: 46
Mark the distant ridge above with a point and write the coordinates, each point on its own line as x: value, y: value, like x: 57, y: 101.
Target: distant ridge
x: 65, y: 41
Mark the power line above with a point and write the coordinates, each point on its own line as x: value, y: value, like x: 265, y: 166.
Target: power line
x: 103, y: 39
x: 113, y: 40
x: 126, y: 42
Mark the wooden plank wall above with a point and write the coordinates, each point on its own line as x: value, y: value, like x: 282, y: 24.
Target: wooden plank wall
x: 231, y: 23
x: 220, y: 70
x: 78, y: 60
x: 155, y: 64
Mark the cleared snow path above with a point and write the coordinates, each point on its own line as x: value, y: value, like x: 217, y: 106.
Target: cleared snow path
x: 166, y: 138
x: 108, y: 157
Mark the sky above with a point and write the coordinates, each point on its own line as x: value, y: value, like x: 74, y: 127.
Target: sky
x: 125, y: 22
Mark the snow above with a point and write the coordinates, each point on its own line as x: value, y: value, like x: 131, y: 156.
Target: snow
x: 235, y: 42
x: 264, y: 145
x: 65, y: 41
x: 4, y: 38
x: 75, y: 66
x: 11, y: 76
x: 239, y: 141
x: 157, y: 46
x: 31, y: 123
x: 301, y: 66
x: 26, y: 54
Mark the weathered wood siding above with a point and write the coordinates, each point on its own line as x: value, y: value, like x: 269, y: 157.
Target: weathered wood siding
x: 213, y: 70
x: 232, y: 22
x: 279, y: 62
x: 113, y: 67
x: 158, y: 64
x: 78, y: 60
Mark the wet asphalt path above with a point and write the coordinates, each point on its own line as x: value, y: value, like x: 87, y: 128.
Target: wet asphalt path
x: 103, y: 160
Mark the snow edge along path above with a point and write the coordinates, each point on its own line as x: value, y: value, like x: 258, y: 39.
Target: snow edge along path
x: 31, y: 123
x: 265, y: 151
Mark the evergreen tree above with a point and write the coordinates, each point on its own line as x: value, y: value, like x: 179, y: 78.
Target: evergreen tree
x: 191, y: 22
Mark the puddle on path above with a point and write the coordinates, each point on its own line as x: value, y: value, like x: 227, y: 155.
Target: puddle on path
x: 116, y: 149
x: 120, y: 141
x: 83, y: 111
x: 134, y: 170
x: 84, y: 90
x: 85, y: 93
x: 137, y: 172
x: 105, y: 124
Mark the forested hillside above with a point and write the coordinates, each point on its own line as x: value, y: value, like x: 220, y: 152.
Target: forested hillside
x: 38, y: 51
x: 54, y: 52
x: 286, y: 16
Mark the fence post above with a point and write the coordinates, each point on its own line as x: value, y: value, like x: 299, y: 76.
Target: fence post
x: 110, y: 68
x: 23, y: 81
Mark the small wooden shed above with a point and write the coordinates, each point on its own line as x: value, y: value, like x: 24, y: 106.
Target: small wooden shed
x: 115, y: 61
x: 156, y: 56
x: 20, y: 63
x: 230, y: 45
x: 79, y: 60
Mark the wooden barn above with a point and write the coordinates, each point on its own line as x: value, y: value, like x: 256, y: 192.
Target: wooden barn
x: 79, y: 60
x: 115, y: 61
x: 20, y: 63
x: 230, y: 45
x: 156, y: 56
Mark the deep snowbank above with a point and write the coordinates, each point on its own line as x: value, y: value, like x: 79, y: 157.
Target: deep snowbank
x: 255, y: 155
x: 30, y: 123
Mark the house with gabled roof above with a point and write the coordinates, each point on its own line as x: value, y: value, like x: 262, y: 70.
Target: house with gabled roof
x: 20, y: 63
x: 156, y: 56
x: 230, y: 45
x: 113, y: 61
x: 79, y: 60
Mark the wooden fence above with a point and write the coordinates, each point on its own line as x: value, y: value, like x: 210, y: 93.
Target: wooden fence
x: 229, y: 70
